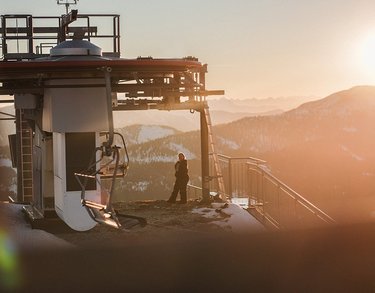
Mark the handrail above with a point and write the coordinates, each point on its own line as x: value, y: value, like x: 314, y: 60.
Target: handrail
x: 242, y: 158
x: 297, y: 196
x: 277, y: 203
x: 197, y: 191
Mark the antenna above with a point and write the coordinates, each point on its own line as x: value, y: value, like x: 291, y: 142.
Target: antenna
x: 67, y: 3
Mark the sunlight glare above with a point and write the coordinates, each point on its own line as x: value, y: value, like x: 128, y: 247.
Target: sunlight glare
x: 9, y: 264
x: 368, y: 54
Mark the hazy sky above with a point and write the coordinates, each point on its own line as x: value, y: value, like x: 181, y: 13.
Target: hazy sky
x: 254, y: 48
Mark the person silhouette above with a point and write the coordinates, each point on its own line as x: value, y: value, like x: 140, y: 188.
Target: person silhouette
x: 182, y: 178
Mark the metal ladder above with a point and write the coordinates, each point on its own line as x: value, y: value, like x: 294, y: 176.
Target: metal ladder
x: 211, y: 142
x: 25, y: 154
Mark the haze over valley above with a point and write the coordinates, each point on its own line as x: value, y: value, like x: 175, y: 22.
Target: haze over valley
x: 323, y: 149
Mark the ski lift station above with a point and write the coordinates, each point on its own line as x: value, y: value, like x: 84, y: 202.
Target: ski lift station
x: 65, y: 91
x: 67, y: 77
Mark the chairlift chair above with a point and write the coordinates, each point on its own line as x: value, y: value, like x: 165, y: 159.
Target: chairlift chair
x: 112, y: 165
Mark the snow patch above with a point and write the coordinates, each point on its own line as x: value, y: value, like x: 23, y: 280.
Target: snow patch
x: 231, y: 217
x: 147, y: 133
x: 179, y: 148
x: 239, y: 221
x: 229, y: 143
x: 147, y: 159
x: 266, y: 143
x: 5, y: 163
x: 209, y: 213
x: 241, y: 201
x: 140, y: 186
x: 353, y: 155
x: 13, y: 187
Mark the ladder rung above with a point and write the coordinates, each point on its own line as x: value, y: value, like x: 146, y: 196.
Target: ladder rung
x: 85, y: 175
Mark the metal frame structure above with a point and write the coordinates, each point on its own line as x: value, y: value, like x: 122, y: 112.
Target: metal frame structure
x: 41, y: 33
x: 147, y: 83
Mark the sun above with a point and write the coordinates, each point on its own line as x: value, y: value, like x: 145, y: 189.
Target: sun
x: 367, y: 54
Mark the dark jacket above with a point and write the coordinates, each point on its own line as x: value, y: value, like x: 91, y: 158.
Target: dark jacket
x: 181, y: 169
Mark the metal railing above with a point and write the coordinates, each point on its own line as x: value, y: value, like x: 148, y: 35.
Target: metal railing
x: 275, y: 202
x: 279, y: 204
x: 194, y: 192
x: 29, y: 37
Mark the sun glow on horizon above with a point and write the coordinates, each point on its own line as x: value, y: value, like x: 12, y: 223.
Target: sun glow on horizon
x: 367, y: 55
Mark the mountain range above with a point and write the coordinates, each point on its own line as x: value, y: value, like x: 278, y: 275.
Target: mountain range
x: 323, y: 149
x: 222, y: 110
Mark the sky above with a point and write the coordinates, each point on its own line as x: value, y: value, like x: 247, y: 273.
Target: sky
x: 253, y: 48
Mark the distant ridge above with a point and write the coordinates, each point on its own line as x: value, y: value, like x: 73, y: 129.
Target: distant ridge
x: 222, y: 111
x: 358, y: 98
x: 258, y: 106
x: 323, y: 149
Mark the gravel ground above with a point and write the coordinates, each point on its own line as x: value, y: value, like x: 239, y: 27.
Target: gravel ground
x: 163, y: 220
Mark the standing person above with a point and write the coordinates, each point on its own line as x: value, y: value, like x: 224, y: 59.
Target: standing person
x: 182, y: 178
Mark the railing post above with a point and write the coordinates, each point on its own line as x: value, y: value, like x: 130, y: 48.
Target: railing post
x: 230, y: 177
x: 29, y: 21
